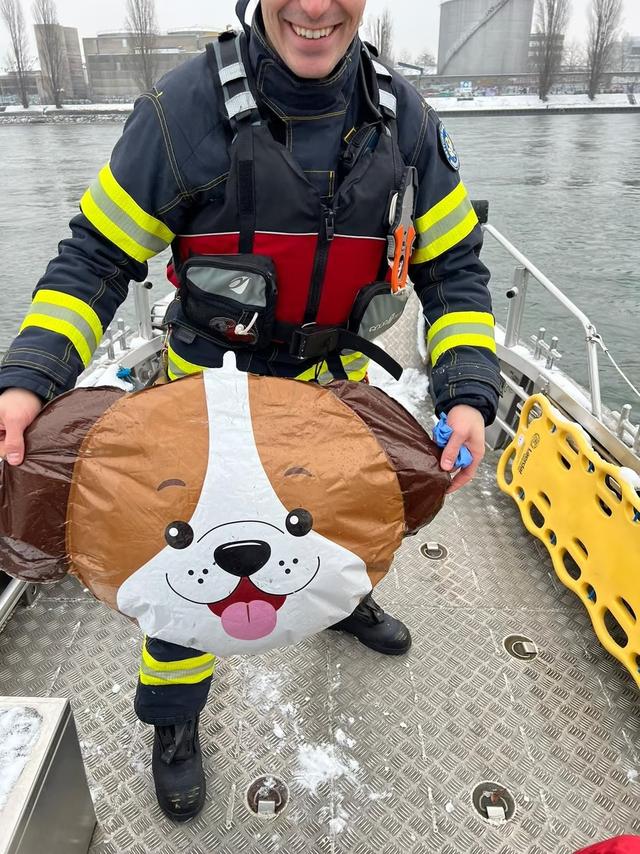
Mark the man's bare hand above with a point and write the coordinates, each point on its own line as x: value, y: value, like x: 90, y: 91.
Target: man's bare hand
x: 468, y: 429
x: 18, y: 408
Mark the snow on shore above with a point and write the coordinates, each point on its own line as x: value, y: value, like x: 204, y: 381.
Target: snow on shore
x: 479, y: 104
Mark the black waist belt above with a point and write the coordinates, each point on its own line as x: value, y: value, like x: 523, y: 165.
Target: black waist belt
x: 317, y: 342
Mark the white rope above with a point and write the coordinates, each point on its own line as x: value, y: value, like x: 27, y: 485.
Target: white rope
x: 619, y: 370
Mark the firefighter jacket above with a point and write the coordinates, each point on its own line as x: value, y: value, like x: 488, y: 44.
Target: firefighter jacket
x: 168, y: 178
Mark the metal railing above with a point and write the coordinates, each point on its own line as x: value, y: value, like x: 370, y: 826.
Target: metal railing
x: 518, y: 295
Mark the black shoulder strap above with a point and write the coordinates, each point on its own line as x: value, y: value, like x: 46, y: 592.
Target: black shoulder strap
x: 383, y: 97
x: 226, y: 59
x: 227, y: 65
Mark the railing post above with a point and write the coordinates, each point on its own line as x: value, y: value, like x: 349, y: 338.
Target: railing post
x: 143, y: 310
x: 594, y: 373
x: 517, y: 296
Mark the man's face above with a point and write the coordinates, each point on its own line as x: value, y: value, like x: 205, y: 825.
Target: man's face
x: 311, y: 36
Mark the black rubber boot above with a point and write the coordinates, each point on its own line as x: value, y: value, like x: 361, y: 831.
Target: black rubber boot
x: 177, y: 770
x: 375, y: 629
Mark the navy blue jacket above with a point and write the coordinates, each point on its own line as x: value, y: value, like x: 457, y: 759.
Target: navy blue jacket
x: 173, y: 158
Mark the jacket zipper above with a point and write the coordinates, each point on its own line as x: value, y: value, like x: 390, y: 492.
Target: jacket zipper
x: 327, y: 233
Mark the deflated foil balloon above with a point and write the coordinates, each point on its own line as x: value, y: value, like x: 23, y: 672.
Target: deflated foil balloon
x: 226, y: 512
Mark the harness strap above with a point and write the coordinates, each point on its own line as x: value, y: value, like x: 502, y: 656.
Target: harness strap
x: 239, y: 102
x: 319, y: 342
x: 386, y: 98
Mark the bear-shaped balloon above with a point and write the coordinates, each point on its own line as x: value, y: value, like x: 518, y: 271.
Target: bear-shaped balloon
x: 227, y: 512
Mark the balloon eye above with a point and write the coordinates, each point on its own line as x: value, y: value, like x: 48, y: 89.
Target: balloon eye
x: 299, y: 522
x: 179, y: 535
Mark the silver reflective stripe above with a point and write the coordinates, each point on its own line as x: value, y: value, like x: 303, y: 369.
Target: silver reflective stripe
x: 459, y: 329
x: 240, y: 104
x: 124, y: 222
x: 178, y: 675
x: 325, y: 378
x: 58, y: 312
x: 232, y: 72
x: 356, y: 365
x: 389, y: 101
x: 176, y: 371
x: 445, y: 225
x: 380, y: 70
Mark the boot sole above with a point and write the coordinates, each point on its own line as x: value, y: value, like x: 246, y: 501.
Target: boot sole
x: 380, y: 650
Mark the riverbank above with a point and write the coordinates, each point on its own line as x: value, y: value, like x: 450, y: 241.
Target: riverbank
x: 497, y: 105
x: 520, y: 105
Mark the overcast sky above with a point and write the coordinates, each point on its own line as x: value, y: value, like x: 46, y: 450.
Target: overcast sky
x: 415, y: 21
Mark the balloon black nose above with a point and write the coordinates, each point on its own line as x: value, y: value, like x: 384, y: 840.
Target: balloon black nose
x: 242, y: 558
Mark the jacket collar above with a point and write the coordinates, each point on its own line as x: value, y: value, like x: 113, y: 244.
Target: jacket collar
x: 288, y: 95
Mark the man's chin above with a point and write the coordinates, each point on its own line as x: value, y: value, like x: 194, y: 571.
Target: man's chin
x: 311, y: 68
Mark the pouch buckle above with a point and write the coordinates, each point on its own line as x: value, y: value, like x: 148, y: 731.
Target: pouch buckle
x: 314, y: 342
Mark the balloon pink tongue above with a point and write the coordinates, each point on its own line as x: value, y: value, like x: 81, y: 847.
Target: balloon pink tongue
x: 249, y: 620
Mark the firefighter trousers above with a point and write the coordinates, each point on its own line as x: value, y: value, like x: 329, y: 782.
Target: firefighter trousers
x: 173, y: 682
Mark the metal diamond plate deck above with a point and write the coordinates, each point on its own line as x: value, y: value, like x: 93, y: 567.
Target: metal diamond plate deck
x: 403, y: 741
x: 381, y: 755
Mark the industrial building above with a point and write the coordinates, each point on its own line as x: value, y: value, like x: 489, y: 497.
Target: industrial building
x: 479, y: 37
x: 73, y: 83
x: 113, y: 67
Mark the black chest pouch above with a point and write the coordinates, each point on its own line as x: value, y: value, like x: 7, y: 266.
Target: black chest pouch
x: 231, y: 298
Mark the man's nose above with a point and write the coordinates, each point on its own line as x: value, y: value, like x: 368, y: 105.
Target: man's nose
x: 315, y: 8
x: 242, y: 558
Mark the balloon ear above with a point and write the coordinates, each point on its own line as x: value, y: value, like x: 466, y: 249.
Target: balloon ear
x: 34, y: 495
x: 410, y: 450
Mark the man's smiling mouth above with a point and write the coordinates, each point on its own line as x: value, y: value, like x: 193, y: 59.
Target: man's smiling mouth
x: 313, y: 34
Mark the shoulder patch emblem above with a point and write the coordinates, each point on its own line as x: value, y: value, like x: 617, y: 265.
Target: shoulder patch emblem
x: 448, y: 148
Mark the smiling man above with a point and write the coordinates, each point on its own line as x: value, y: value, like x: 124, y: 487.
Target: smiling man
x: 298, y: 181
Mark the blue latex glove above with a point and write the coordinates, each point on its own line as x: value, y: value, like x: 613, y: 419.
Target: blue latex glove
x: 441, y: 435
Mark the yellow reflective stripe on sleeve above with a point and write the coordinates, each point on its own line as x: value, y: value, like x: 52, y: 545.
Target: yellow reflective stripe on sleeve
x: 125, y: 202
x: 178, y: 367
x: 113, y: 232
x: 455, y: 317
x: 72, y: 304
x: 461, y: 329
x: 463, y: 341
x: 444, y: 226
x: 447, y: 241
x: 442, y: 209
x: 62, y: 327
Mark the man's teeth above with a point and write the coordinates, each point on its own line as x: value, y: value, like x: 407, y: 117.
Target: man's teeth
x: 312, y: 34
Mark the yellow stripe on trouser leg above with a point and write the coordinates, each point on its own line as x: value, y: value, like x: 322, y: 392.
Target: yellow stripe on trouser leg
x: 186, y: 671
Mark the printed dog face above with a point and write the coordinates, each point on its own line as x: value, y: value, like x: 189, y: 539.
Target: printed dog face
x: 228, y: 512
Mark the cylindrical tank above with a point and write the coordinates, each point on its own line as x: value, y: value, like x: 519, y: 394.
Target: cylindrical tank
x: 484, y: 36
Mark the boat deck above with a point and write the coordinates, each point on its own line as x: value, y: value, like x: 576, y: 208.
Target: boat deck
x: 380, y: 755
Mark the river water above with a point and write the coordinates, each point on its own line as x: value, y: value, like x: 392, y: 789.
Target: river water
x: 564, y: 189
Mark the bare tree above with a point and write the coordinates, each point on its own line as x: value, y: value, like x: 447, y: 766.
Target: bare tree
x: 552, y: 17
x: 604, y: 26
x: 50, y: 48
x: 141, y: 23
x: 426, y: 59
x: 574, y: 56
x: 380, y: 34
x: 20, y: 62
